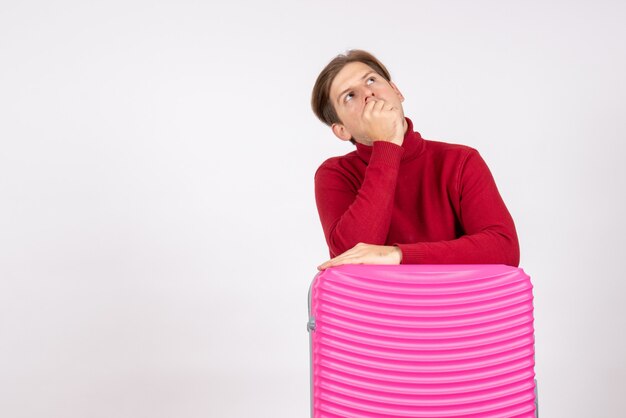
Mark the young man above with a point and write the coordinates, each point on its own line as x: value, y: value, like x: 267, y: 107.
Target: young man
x: 399, y: 198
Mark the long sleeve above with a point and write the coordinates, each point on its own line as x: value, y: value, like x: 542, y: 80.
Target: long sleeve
x: 351, y: 212
x: 436, y: 201
x: 489, y: 232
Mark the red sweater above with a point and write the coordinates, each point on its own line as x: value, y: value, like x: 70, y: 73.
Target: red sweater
x: 437, y: 202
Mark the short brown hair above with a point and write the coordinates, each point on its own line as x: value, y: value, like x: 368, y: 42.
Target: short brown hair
x: 320, y: 98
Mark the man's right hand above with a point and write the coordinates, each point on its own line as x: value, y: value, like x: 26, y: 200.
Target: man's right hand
x: 382, y: 122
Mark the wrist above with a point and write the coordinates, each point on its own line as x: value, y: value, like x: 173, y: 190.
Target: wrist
x: 398, y: 253
x: 398, y: 141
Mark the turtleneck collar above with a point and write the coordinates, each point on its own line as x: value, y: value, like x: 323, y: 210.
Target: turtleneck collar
x: 413, y: 145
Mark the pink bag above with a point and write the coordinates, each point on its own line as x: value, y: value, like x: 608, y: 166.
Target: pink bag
x: 432, y: 341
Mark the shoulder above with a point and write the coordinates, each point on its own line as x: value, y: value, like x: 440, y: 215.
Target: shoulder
x: 450, y: 153
x: 345, y: 172
x: 342, y: 164
x: 448, y: 148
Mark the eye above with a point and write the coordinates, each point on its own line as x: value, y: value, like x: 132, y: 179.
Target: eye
x: 348, y: 97
x: 370, y: 80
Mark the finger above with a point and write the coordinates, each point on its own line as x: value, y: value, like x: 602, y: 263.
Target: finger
x: 337, y: 261
x: 329, y: 263
x: 367, y: 109
x: 356, y: 250
x: 356, y: 258
x: 340, y: 262
x: 388, y: 107
x: 332, y: 261
x: 379, y: 105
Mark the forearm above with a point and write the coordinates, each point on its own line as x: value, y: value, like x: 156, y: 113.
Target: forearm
x: 489, y: 235
x: 351, y: 215
x: 486, y: 247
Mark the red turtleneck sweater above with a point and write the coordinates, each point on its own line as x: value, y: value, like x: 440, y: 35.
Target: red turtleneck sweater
x: 437, y: 202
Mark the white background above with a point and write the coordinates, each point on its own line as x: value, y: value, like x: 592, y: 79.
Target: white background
x: 158, y: 230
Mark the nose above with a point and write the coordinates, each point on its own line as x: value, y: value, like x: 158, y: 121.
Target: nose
x: 369, y: 94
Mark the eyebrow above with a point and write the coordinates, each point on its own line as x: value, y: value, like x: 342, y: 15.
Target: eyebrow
x: 350, y: 88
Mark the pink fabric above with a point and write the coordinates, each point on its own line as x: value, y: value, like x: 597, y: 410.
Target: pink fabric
x: 422, y: 341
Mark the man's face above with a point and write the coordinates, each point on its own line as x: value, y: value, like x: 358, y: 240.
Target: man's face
x: 352, y: 88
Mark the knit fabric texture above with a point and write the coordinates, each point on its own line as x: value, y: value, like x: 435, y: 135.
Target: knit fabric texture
x: 437, y: 202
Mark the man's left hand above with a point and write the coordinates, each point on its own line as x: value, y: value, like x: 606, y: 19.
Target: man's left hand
x: 366, y: 254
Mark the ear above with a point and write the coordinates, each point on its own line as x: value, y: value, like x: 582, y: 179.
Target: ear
x: 395, y: 88
x: 341, y: 132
